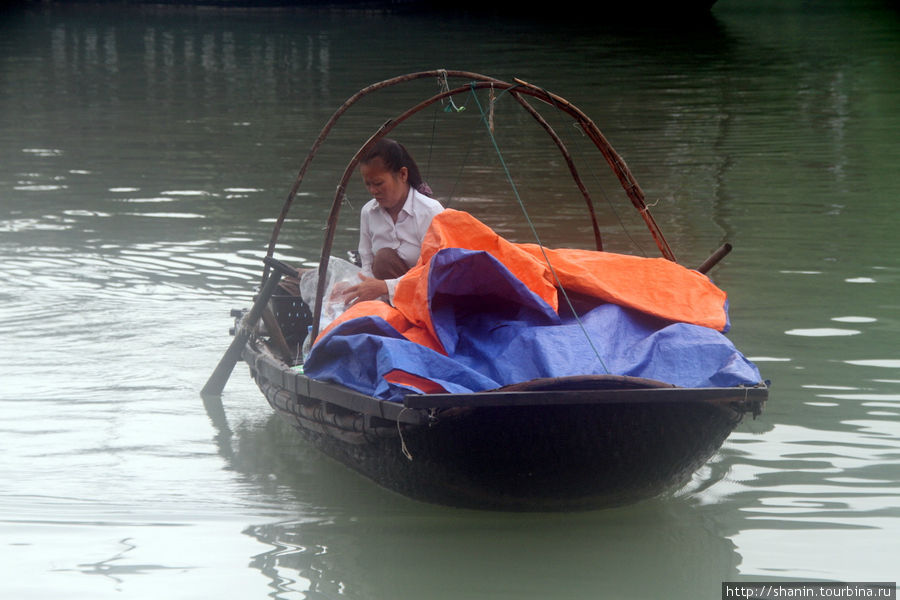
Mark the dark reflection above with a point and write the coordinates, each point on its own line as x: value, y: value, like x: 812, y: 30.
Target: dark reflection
x: 353, y: 539
x: 452, y: 556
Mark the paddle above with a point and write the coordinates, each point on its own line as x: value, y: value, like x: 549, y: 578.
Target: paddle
x: 216, y: 382
x: 714, y: 259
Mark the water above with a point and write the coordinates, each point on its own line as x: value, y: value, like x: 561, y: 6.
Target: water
x: 144, y: 154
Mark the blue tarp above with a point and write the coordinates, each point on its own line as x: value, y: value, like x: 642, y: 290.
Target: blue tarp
x: 497, y: 332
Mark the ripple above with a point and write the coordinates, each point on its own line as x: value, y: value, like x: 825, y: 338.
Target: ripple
x: 18, y: 225
x: 872, y: 397
x: 860, y: 280
x: 39, y: 187
x: 828, y: 387
x: 852, y: 319
x: 238, y: 192
x: 185, y: 193
x: 888, y: 363
x: 822, y: 332
x: 168, y: 215
x: 43, y: 152
x: 146, y: 200
x: 85, y: 213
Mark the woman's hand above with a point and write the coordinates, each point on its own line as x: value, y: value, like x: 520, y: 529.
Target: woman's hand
x: 369, y: 288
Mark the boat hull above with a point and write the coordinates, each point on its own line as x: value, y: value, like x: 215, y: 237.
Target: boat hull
x: 560, y: 449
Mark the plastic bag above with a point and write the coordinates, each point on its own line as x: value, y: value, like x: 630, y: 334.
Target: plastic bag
x: 341, y: 275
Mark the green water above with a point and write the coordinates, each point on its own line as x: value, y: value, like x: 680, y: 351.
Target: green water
x: 145, y: 152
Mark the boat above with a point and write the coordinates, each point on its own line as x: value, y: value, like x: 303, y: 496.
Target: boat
x: 556, y: 442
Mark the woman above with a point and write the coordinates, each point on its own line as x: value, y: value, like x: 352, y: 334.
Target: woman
x: 393, y: 223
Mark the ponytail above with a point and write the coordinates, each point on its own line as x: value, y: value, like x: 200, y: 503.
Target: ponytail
x: 394, y: 156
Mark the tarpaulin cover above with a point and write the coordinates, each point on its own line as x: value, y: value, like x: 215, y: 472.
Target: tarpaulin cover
x: 479, y: 312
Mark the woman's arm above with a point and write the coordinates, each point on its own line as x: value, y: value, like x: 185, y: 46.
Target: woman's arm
x: 368, y: 288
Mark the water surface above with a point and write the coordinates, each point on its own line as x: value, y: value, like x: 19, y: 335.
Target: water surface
x: 144, y: 154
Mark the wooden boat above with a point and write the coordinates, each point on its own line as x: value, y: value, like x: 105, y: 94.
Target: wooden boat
x: 560, y: 443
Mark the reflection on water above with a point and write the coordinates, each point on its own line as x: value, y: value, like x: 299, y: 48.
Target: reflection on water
x: 371, y: 543
x: 496, y: 557
x: 144, y: 154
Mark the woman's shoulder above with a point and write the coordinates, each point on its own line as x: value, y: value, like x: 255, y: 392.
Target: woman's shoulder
x: 427, y: 201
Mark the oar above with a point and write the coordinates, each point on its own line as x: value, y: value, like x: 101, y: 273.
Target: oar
x: 714, y: 259
x: 216, y: 382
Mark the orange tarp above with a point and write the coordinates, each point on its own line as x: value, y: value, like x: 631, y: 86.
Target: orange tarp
x: 655, y: 286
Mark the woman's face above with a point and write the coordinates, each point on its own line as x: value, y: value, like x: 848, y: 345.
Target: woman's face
x: 389, y: 189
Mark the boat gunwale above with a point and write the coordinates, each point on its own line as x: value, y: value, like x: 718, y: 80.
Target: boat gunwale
x: 747, y: 399
x: 415, y: 408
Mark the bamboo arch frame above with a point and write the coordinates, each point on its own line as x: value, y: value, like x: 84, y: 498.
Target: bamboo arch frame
x: 477, y: 81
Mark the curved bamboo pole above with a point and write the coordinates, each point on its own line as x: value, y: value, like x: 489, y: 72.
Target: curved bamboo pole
x: 329, y: 125
x: 632, y: 189
x: 613, y: 159
x: 571, y: 164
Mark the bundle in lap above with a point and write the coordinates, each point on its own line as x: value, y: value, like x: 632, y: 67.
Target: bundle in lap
x: 479, y: 312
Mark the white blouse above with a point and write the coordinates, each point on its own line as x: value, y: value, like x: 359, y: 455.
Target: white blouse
x: 378, y: 230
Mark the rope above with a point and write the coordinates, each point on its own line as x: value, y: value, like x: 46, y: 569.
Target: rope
x: 444, y: 85
x: 609, y: 203
x: 450, y: 107
x: 534, y: 232
x: 644, y: 211
x: 403, y: 447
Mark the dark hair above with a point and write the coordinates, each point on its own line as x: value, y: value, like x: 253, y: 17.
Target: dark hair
x: 394, y: 157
